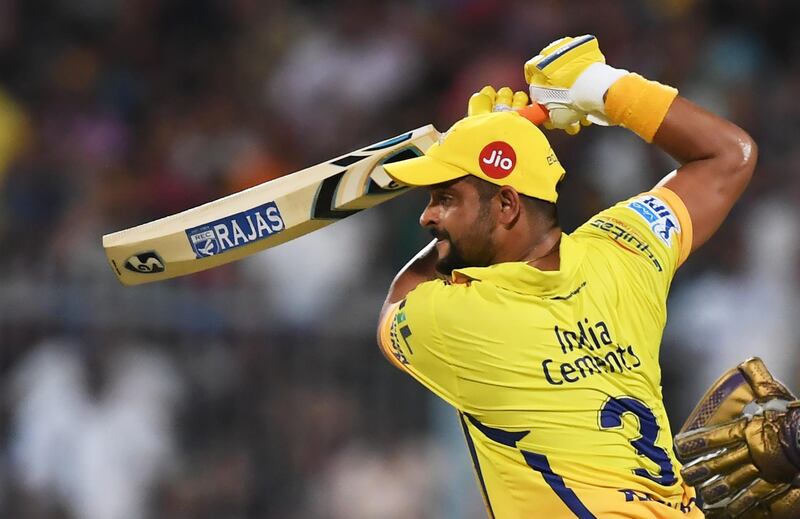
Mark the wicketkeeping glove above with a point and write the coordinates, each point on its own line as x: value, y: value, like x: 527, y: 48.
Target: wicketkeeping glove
x: 742, y: 448
x: 570, y: 78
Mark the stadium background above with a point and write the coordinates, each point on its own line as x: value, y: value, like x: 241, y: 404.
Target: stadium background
x: 256, y: 390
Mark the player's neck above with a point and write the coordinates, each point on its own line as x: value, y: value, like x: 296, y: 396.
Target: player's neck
x: 539, y: 248
x: 544, y: 252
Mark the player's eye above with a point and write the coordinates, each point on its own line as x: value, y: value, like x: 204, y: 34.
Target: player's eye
x: 442, y: 198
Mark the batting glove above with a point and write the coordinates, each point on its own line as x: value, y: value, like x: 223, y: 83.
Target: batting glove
x: 570, y: 78
x: 488, y: 100
x: 740, y: 446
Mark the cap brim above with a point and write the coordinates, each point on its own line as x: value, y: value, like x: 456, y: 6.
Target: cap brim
x: 423, y: 171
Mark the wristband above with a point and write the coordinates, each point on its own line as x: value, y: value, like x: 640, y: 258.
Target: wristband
x: 639, y: 104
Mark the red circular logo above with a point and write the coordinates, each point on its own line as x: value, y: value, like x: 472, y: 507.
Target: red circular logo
x: 497, y: 159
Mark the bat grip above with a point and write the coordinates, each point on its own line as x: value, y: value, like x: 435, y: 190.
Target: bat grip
x: 535, y: 113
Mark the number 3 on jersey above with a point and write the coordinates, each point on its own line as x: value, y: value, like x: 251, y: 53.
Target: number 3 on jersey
x: 611, y: 415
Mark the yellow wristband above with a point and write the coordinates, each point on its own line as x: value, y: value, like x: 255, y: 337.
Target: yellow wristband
x: 639, y: 104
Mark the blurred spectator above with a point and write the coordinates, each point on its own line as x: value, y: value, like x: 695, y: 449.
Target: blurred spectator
x: 348, y: 72
x: 100, y: 450
x: 366, y: 483
x: 312, y: 272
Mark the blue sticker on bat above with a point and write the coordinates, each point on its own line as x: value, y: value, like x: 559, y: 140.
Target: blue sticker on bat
x: 236, y: 230
x: 390, y: 142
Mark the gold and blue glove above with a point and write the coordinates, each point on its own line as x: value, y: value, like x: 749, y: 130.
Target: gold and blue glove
x: 570, y: 78
x: 741, y: 446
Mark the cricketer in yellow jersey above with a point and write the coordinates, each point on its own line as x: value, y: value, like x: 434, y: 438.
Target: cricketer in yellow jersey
x: 546, y: 343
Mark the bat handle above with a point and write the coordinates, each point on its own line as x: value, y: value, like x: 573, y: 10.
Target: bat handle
x: 535, y: 113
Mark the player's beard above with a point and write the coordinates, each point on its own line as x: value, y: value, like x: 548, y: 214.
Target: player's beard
x: 473, y: 249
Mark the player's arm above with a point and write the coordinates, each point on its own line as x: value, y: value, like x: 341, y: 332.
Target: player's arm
x: 717, y: 158
x: 410, y: 329
x: 419, y: 269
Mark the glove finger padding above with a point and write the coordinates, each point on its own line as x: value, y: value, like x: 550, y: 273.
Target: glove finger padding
x: 503, y: 100
x: 718, y: 488
x: 756, y: 500
x: 763, y: 384
x: 704, y: 468
x: 488, y: 100
x: 481, y: 102
x: 519, y: 101
x: 786, y: 505
x: 689, y: 445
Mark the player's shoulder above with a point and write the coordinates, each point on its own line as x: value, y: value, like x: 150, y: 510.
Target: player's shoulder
x: 440, y: 294
x: 653, y: 225
x: 610, y: 235
x: 429, y: 297
x: 458, y: 300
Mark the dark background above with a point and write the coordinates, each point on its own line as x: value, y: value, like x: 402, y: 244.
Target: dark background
x: 255, y: 390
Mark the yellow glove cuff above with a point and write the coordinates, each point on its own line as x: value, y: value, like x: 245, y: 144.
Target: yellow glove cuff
x: 639, y: 104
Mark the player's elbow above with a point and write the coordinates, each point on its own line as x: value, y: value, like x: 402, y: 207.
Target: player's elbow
x: 738, y: 157
x: 743, y: 153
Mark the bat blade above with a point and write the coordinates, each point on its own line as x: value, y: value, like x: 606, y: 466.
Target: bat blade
x: 263, y: 216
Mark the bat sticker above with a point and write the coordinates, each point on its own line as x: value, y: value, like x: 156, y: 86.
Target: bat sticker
x: 145, y: 263
x: 235, y: 230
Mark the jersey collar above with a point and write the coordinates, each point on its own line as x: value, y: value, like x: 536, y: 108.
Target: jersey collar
x: 520, y: 277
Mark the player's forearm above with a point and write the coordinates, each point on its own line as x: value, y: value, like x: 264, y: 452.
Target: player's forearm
x: 420, y: 269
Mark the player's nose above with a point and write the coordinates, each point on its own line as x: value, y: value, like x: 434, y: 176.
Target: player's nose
x: 429, y: 216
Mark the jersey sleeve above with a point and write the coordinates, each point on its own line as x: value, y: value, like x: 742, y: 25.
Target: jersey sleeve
x: 410, y: 339
x: 653, y: 227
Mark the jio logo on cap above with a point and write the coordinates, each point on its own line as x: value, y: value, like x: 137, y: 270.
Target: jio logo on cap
x: 497, y: 159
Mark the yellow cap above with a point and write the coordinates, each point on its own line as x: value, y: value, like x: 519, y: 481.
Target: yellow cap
x: 503, y: 148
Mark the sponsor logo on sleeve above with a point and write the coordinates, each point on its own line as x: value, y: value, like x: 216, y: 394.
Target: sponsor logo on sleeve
x: 627, y: 237
x: 663, y: 222
x: 236, y: 230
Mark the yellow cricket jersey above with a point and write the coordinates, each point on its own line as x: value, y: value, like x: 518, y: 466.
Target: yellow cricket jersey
x: 555, y: 375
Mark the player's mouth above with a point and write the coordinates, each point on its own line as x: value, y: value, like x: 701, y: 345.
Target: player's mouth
x: 442, y: 239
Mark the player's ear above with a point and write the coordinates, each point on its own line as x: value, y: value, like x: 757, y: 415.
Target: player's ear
x: 510, y: 205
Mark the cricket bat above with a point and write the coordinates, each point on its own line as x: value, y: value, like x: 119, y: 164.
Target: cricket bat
x: 263, y: 216
x: 269, y: 214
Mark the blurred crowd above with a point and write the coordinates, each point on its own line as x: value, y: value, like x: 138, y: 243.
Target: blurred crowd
x: 255, y: 389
